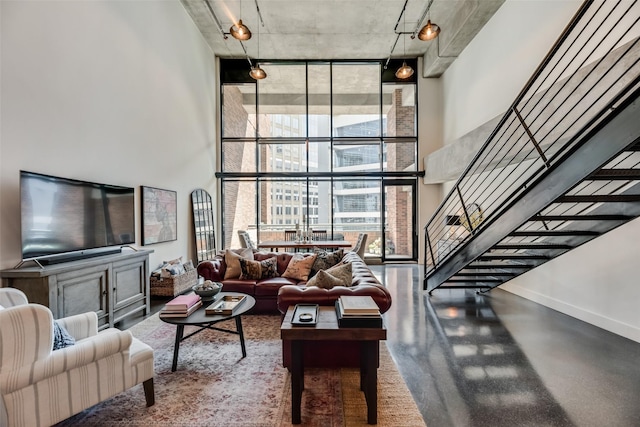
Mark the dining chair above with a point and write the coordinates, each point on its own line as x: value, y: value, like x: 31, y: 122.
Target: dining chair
x: 360, y: 245
x: 319, y: 234
x: 290, y: 236
x: 245, y: 240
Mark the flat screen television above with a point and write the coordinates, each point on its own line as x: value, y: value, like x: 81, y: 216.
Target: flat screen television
x: 63, y: 218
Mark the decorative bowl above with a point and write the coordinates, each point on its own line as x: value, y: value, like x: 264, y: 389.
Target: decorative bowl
x: 207, y: 290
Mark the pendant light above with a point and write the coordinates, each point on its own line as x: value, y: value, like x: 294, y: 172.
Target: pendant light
x: 256, y: 72
x: 239, y: 30
x: 405, y: 71
x: 429, y: 31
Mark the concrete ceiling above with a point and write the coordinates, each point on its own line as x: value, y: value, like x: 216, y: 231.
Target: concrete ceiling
x: 342, y: 29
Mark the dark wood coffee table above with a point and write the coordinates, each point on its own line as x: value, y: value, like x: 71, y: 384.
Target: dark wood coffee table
x: 327, y: 329
x: 206, y: 321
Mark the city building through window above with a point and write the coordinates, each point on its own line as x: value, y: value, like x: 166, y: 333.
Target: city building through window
x: 318, y: 145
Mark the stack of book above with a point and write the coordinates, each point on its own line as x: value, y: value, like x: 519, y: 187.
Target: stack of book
x: 358, y: 312
x: 181, y: 306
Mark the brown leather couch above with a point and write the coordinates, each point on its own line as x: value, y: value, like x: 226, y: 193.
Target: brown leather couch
x: 269, y: 297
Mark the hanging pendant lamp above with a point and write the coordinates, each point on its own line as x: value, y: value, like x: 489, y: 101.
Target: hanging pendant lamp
x: 240, y: 31
x: 429, y: 31
x: 257, y: 73
x: 404, y: 72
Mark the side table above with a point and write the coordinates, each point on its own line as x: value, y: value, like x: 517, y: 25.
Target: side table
x: 327, y: 329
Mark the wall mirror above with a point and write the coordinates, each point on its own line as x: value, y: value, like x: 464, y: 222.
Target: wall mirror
x: 204, y: 229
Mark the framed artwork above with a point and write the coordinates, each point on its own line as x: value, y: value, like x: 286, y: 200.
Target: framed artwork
x: 159, y: 215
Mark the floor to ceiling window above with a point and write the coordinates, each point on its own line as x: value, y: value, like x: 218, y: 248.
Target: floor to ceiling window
x: 312, y: 145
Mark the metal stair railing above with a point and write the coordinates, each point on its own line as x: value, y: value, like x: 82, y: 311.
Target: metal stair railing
x: 590, y: 74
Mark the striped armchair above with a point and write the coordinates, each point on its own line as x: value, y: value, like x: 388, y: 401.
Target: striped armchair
x: 41, y: 387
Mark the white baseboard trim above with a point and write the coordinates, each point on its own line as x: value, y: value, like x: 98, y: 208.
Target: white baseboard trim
x: 612, y: 325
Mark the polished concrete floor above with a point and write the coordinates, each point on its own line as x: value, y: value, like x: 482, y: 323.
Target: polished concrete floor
x: 501, y: 360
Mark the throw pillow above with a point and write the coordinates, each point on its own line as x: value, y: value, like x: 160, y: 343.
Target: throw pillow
x: 251, y: 270
x: 269, y: 267
x: 299, y: 267
x: 61, y: 337
x: 232, y: 259
x: 254, y: 270
x: 325, y: 260
x: 340, y: 275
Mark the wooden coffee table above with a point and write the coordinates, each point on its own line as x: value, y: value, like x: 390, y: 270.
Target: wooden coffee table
x: 327, y: 329
x: 206, y: 321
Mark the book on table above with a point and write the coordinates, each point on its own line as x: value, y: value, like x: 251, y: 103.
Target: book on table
x: 227, y: 305
x: 178, y: 313
x: 358, y: 305
x: 182, y: 303
x: 369, y: 320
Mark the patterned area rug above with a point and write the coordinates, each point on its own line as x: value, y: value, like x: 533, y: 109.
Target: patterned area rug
x: 215, y: 386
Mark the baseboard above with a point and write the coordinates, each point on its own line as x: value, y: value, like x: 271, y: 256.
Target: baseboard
x: 612, y: 325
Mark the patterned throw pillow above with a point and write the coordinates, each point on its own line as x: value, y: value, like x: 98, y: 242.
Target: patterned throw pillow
x: 250, y: 270
x: 269, y: 267
x: 299, y: 267
x: 340, y: 275
x: 61, y: 337
x: 232, y: 259
x: 325, y: 260
x: 254, y: 270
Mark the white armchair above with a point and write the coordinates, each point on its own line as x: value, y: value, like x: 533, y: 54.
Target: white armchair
x: 41, y: 386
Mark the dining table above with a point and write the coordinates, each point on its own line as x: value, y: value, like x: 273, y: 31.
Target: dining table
x: 275, y: 245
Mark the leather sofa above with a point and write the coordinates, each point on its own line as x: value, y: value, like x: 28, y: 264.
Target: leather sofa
x: 277, y: 293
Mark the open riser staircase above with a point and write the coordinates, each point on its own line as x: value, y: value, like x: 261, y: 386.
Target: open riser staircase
x: 561, y: 168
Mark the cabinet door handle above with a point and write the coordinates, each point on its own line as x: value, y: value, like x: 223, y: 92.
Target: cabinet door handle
x: 104, y: 292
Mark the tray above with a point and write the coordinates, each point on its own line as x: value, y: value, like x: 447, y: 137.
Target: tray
x: 305, y: 310
x: 226, y: 305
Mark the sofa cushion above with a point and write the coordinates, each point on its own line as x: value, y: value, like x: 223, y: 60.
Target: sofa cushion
x: 232, y: 259
x: 339, y: 275
x: 299, y: 267
x: 270, y: 287
x: 258, y: 269
x: 242, y: 286
x: 325, y: 260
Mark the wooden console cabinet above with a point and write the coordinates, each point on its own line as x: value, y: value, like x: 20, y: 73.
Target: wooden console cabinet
x: 114, y: 286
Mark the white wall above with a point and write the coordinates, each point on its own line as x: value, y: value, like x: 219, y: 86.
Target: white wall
x: 488, y: 75
x: 596, y: 282
x: 119, y: 92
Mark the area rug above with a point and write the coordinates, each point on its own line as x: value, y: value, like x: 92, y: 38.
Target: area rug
x: 214, y: 386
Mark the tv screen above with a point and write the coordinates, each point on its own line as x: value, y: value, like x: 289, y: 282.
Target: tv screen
x: 61, y: 215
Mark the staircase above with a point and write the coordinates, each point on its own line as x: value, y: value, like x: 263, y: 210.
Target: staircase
x: 561, y: 168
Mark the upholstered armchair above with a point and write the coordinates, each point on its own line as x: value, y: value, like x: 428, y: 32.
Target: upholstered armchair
x: 41, y: 386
